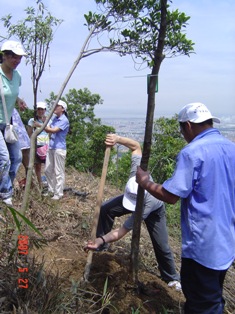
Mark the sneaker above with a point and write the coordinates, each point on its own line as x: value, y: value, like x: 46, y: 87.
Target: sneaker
x: 175, y: 284
x: 45, y: 192
x: 8, y: 201
x: 56, y: 197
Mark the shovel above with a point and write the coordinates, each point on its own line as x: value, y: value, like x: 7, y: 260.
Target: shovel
x: 97, y: 211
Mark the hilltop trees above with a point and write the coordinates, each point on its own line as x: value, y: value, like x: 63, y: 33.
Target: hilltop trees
x: 85, y: 141
x: 167, y: 141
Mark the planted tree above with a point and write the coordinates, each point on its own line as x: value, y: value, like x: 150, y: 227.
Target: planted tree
x: 149, y: 31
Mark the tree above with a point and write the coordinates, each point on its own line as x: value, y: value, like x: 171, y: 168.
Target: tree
x: 36, y: 33
x: 148, y: 31
x: 118, y: 172
x: 166, y: 143
x: 85, y: 141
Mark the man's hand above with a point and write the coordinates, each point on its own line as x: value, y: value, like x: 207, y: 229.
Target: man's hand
x: 157, y: 190
x: 93, y: 245
x: 111, y: 139
x: 142, y: 177
x: 90, y: 246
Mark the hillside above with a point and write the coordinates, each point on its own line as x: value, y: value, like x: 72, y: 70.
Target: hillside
x: 58, y: 286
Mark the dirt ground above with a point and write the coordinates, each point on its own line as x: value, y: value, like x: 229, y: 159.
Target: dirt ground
x: 66, y: 224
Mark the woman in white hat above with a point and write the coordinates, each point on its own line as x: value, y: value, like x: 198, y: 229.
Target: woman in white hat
x: 56, y: 155
x: 10, y: 154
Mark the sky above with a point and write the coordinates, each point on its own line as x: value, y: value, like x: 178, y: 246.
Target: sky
x: 206, y: 76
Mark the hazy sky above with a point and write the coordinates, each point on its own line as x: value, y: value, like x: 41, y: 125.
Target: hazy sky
x: 207, y: 76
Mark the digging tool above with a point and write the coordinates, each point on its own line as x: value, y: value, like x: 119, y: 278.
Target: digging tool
x: 97, y: 210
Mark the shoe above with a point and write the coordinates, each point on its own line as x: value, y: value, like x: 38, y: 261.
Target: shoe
x: 45, y: 192
x: 8, y: 201
x: 175, y: 284
x: 56, y: 197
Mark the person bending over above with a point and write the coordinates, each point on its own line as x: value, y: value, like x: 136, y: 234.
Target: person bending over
x: 153, y: 216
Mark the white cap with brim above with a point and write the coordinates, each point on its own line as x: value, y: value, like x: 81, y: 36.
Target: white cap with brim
x: 41, y: 104
x: 15, y: 47
x: 63, y: 104
x: 130, y: 194
x: 196, y: 113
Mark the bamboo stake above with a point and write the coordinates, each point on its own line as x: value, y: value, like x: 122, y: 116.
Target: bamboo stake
x: 97, y: 210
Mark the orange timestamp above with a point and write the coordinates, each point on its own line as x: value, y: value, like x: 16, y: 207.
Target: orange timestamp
x: 23, y: 249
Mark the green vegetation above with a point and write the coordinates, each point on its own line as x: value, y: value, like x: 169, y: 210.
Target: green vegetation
x: 166, y: 143
x: 85, y: 141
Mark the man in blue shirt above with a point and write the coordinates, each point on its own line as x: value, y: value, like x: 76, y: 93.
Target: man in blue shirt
x: 204, y: 180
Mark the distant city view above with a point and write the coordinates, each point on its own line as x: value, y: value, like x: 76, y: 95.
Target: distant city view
x: 135, y: 128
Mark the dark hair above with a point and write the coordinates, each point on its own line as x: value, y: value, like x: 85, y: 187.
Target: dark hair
x: 66, y: 114
x: 209, y: 121
x: 8, y: 52
x: 182, y: 125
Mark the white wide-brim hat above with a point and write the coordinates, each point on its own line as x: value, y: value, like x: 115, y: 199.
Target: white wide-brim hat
x: 15, y: 47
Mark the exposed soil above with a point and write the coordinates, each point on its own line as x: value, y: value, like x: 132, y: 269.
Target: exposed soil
x: 66, y: 224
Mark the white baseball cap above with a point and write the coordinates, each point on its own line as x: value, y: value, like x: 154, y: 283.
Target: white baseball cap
x: 15, y: 47
x: 41, y: 104
x: 130, y: 194
x: 63, y: 104
x: 196, y: 112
